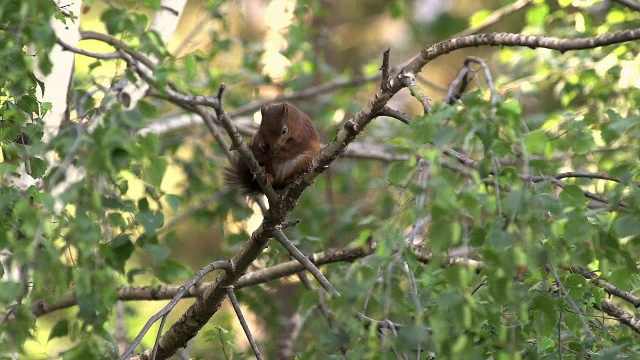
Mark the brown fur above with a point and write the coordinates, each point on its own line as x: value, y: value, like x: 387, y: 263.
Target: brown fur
x: 284, y: 145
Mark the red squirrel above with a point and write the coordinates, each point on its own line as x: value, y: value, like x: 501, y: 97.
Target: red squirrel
x: 284, y: 145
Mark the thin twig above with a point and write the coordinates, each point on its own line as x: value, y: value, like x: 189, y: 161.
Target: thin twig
x: 306, y: 263
x: 103, y: 56
x: 495, y: 95
x: 384, y: 70
x: 157, y: 341
x: 458, y: 86
x: 243, y: 322
x: 572, y: 303
x: 118, y: 44
x: 409, y: 82
x: 396, y: 114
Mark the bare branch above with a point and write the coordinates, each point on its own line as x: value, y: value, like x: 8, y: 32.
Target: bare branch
x: 609, y: 288
x: 118, y: 44
x: 495, y: 95
x: 620, y: 314
x: 396, y: 114
x: 511, y: 39
x: 459, y: 85
x: 571, y: 302
x: 409, y: 82
x: 379, y: 324
x: 306, y: 263
x: 102, y: 56
x: 243, y: 322
x: 574, y: 174
x: 384, y: 70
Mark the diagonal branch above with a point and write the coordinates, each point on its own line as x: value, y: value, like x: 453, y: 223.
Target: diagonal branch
x: 608, y: 287
x: 243, y: 322
x: 622, y: 315
x: 306, y: 263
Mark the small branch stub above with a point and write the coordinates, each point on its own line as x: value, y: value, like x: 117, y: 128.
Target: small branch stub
x: 408, y: 80
x: 385, y: 85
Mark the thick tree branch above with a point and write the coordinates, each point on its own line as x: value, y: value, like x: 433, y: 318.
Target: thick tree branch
x: 511, y: 39
x: 609, y: 288
x: 622, y: 315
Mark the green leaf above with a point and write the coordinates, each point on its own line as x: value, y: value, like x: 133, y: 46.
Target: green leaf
x: 150, y: 220
x: 190, y: 66
x: 170, y: 271
x: 500, y: 238
x: 537, y: 15
x: 158, y: 252
x: 155, y: 172
x: 536, y: 141
x: 113, y: 19
x: 122, y: 247
x: 28, y: 104
x: 153, y: 4
x: 398, y: 9
x: 120, y: 158
x: 627, y: 225
x: 131, y: 274
x: 81, y: 351
x: 37, y: 167
x: 60, y: 329
x: 399, y: 171
x: 546, y: 344
x: 174, y: 202
x: 573, y: 195
x: 479, y: 17
x: 444, y: 136
x: 9, y: 291
x: 576, y: 285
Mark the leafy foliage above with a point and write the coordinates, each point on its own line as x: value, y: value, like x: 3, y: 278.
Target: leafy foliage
x: 546, y: 179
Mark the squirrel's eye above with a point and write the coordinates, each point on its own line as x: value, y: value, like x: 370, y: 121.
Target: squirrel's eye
x: 284, y: 130
x: 288, y: 141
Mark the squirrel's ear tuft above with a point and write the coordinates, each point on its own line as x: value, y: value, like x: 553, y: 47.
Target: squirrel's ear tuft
x: 273, y: 111
x: 264, y: 109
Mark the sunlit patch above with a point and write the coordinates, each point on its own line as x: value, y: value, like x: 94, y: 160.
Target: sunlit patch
x: 338, y: 116
x: 278, y: 17
x: 279, y: 14
x: 629, y: 77
x: 275, y: 64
